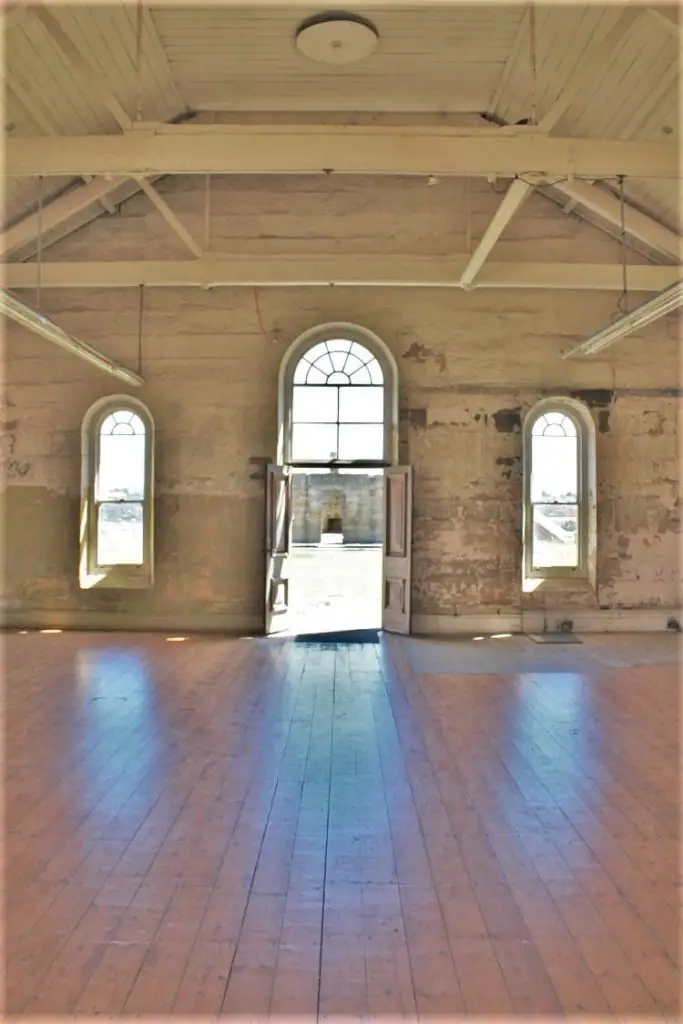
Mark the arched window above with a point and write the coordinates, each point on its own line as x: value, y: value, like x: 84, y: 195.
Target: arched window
x: 116, y: 494
x: 559, y: 490
x: 338, y: 399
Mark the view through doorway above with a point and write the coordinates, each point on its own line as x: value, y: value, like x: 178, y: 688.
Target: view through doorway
x: 335, y: 562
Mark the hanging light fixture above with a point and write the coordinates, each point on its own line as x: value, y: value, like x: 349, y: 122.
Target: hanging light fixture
x: 665, y: 302
x: 39, y: 323
x: 32, y: 319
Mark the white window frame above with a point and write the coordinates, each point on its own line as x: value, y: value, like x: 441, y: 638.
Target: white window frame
x: 119, y: 577
x: 581, y: 417
x: 306, y: 341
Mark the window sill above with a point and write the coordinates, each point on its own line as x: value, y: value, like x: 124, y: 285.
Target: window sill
x: 116, y: 580
x: 580, y: 583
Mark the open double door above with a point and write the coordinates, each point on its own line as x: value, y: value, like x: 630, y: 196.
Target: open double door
x: 398, y: 496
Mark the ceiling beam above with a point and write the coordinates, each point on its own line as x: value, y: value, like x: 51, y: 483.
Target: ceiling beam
x: 82, y: 65
x: 457, y: 120
x: 43, y: 119
x: 513, y: 199
x: 169, y: 216
x: 321, y: 5
x: 519, y: 190
x: 606, y: 205
x: 62, y: 209
x: 386, y: 151
x: 325, y: 269
x: 126, y: 190
x: 55, y: 213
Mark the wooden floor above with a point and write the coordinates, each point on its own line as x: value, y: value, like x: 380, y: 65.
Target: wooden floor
x: 257, y: 828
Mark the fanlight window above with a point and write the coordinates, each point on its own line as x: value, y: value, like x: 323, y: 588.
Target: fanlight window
x: 117, y: 495
x: 555, y: 492
x: 120, y: 490
x: 338, y: 405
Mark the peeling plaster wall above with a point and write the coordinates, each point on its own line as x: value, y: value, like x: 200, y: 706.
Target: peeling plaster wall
x: 470, y: 364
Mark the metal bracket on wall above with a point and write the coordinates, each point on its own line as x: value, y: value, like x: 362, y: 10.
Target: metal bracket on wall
x: 258, y: 466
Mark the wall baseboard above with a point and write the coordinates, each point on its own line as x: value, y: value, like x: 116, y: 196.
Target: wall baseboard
x: 228, y: 623
x: 616, y: 620
x: 585, y: 620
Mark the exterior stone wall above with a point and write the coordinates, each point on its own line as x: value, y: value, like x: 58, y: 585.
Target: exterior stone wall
x: 470, y: 364
x: 337, y: 503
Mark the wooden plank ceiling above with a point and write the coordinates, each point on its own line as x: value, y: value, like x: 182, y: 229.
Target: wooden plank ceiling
x: 508, y: 61
x: 427, y: 60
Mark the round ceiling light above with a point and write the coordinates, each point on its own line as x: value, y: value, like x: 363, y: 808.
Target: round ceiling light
x: 336, y: 38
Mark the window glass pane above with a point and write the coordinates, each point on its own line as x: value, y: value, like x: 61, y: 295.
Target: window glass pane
x: 314, y: 442
x: 353, y: 363
x: 324, y: 363
x: 338, y: 345
x: 318, y: 350
x: 122, y: 421
x: 121, y: 469
x: 315, y: 376
x: 361, y: 405
x: 361, y: 441
x: 361, y: 376
x: 555, y: 540
x: 339, y: 359
x: 376, y: 372
x: 120, y: 534
x: 554, y: 423
x: 338, y: 378
x: 314, y: 404
x: 554, y: 468
x: 302, y: 368
x: 363, y: 353
x: 561, y: 420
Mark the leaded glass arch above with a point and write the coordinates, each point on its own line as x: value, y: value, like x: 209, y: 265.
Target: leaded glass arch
x: 338, y: 405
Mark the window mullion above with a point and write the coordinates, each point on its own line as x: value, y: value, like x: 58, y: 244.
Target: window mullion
x: 338, y: 390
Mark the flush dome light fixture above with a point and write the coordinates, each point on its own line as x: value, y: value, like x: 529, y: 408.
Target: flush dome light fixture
x: 336, y: 37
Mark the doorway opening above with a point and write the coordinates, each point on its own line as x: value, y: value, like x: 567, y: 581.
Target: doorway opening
x: 335, y: 561
x: 338, y: 508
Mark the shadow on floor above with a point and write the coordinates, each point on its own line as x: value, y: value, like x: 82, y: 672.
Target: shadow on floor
x: 337, y: 638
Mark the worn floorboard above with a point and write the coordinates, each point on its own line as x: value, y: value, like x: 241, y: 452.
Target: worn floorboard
x: 263, y: 828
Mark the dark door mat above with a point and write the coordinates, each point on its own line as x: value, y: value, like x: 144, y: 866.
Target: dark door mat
x: 554, y: 638
x: 347, y: 636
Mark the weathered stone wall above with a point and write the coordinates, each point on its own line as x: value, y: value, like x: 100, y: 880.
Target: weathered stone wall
x: 356, y: 500
x: 470, y: 364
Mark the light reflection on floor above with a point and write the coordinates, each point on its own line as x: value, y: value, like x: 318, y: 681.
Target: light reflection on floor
x: 279, y: 820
